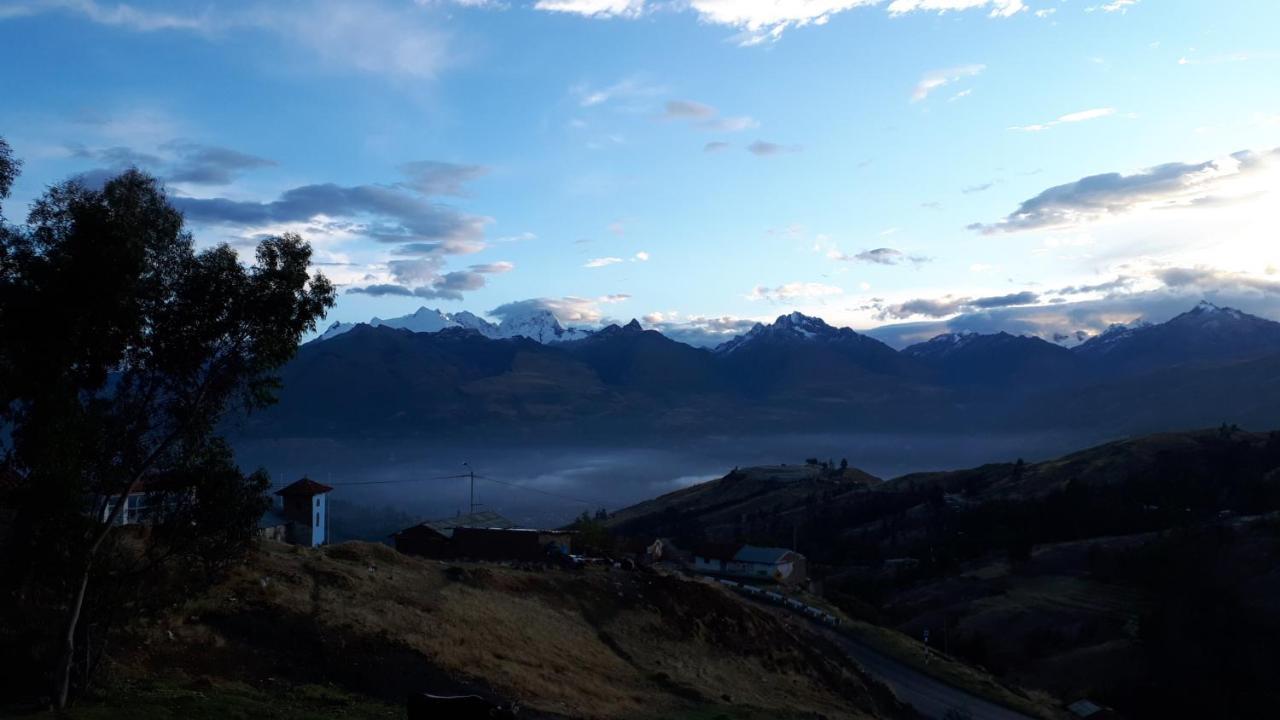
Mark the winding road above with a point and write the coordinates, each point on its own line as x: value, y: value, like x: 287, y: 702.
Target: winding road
x: 930, y: 697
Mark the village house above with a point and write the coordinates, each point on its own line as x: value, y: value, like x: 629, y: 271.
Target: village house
x: 665, y: 550
x: 480, y: 536
x: 146, y: 498
x: 301, y: 518
x: 750, y: 562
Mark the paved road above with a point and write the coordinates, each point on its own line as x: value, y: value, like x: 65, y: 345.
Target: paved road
x: 930, y: 697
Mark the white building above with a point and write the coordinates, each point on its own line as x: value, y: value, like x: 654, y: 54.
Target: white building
x: 305, y: 512
x: 778, y: 565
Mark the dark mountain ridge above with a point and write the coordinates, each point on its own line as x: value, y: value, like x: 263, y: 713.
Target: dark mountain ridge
x: 797, y: 374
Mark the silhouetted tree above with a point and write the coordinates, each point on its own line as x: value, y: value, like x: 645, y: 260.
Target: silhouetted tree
x: 124, y: 348
x: 9, y: 167
x: 592, y: 537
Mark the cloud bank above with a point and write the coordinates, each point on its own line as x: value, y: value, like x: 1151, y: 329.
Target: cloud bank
x: 1241, y: 175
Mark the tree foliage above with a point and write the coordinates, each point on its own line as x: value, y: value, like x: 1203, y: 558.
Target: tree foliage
x: 124, y: 349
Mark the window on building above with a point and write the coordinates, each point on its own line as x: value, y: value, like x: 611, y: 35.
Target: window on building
x: 317, y: 519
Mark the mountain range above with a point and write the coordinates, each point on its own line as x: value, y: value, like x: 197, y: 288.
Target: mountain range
x: 538, y: 325
x: 431, y: 373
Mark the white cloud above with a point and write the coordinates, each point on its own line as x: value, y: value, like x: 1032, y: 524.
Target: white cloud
x: 1120, y: 6
x: 1155, y: 297
x: 761, y: 21
x: 366, y: 36
x: 732, y: 124
x: 877, y: 256
x: 641, y: 256
x: 593, y: 8
x: 628, y: 89
x: 794, y: 291
x: 1240, y: 177
x: 763, y: 148
x: 494, y: 268
x: 567, y: 310
x: 999, y: 8
x: 706, y: 116
x: 602, y: 262
x: 1075, y: 117
x: 935, y: 79
x: 697, y: 330
x: 688, y: 109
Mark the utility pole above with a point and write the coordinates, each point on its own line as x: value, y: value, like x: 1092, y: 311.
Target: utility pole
x: 472, y: 474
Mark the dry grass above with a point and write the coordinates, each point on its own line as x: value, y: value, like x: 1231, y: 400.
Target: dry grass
x: 598, y: 644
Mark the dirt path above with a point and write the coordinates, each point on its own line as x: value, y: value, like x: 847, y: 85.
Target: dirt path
x: 930, y: 697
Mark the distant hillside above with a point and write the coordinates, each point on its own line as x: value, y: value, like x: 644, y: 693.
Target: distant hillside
x: 721, y: 509
x: 797, y: 374
x: 1140, y: 573
x: 997, y: 360
x: 350, y: 630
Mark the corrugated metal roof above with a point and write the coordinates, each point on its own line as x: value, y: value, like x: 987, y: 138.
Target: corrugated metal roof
x: 762, y: 555
x: 483, y: 519
x: 1084, y: 708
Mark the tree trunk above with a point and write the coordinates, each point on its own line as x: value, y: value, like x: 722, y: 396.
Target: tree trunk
x: 63, y: 675
x: 67, y: 657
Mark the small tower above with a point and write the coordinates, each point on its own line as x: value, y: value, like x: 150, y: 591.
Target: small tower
x: 306, y: 511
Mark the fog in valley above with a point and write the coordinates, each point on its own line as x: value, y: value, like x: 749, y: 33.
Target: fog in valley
x: 383, y: 485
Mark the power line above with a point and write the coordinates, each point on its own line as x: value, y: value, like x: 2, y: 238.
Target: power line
x: 464, y: 477
x: 542, y: 492
x: 386, y: 482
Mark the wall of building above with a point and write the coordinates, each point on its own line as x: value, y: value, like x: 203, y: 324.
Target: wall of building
x: 308, y: 517
x: 320, y: 525
x: 490, y: 544
x: 424, y: 542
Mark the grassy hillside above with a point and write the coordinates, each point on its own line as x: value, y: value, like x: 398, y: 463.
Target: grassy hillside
x: 716, y: 510
x: 1139, y: 573
x: 350, y: 630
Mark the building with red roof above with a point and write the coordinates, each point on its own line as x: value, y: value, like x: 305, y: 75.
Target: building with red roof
x: 305, y: 511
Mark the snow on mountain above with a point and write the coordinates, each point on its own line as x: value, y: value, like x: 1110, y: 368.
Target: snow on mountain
x: 1205, y: 334
x: 1071, y: 340
x: 538, y: 325
x: 793, y: 327
x: 471, y: 321
x: 336, y: 329
x: 941, y: 345
x: 1105, y: 341
x: 422, y: 320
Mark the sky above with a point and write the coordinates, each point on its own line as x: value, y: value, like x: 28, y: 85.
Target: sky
x: 917, y: 166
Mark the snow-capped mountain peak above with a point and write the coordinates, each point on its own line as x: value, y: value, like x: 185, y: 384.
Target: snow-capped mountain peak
x: 1072, y: 339
x: 942, y: 344
x: 471, y: 321
x: 793, y: 326
x: 539, y: 325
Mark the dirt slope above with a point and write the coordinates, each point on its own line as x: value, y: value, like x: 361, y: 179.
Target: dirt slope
x: 363, y: 620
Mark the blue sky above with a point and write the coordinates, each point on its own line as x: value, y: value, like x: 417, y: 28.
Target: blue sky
x: 699, y: 164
